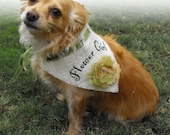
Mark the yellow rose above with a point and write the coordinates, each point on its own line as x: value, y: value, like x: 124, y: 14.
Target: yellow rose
x: 103, y: 73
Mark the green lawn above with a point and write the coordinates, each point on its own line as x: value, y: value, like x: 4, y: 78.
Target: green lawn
x: 27, y: 107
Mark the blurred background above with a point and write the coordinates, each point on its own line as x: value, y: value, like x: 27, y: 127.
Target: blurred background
x: 13, y: 5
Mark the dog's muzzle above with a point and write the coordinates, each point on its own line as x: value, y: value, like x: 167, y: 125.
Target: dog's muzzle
x: 31, y: 19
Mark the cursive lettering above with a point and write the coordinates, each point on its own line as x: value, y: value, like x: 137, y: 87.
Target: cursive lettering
x: 100, y: 45
x: 74, y: 72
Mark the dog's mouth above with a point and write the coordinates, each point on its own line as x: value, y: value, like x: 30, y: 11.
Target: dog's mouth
x: 30, y: 25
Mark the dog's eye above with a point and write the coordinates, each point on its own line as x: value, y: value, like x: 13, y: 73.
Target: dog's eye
x: 55, y: 12
x: 32, y: 1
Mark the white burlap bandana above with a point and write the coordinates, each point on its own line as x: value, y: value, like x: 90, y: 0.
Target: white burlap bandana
x: 84, y: 66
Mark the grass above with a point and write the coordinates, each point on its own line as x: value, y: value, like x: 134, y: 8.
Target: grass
x: 27, y: 107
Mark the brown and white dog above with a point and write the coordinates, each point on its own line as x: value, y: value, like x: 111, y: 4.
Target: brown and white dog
x: 50, y: 26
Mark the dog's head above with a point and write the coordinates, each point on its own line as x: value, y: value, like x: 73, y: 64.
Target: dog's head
x: 50, y: 18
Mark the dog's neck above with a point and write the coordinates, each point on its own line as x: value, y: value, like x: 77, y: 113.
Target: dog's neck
x: 78, y: 43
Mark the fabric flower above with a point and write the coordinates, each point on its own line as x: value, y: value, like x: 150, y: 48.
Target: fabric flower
x: 104, y: 73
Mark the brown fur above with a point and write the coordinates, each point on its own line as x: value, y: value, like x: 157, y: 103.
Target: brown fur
x: 138, y: 95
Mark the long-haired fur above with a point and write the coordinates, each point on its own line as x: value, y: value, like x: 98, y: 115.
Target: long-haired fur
x: 50, y: 26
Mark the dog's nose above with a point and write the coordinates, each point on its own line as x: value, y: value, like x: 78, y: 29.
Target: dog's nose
x: 32, y: 16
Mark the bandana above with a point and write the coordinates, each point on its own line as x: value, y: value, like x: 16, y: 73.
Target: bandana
x: 75, y: 64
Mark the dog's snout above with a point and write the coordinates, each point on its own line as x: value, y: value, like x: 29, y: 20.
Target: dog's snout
x: 32, y: 16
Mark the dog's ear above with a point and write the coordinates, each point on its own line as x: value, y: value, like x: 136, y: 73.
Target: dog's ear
x: 78, y: 19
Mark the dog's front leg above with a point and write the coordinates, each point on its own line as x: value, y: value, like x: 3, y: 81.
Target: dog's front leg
x: 76, y: 106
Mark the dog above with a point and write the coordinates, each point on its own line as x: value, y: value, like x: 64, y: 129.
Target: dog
x: 117, y: 85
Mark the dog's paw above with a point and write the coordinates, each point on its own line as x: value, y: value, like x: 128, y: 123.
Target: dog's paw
x: 72, y: 133
x: 60, y: 97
